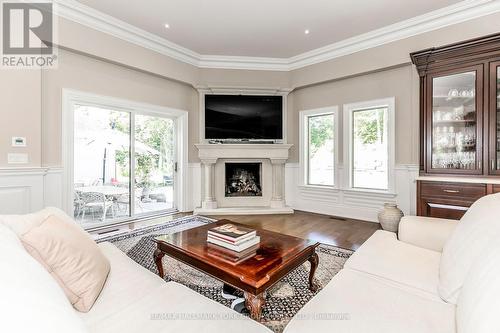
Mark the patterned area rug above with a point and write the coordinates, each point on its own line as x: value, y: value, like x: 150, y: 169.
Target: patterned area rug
x: 283, y: 300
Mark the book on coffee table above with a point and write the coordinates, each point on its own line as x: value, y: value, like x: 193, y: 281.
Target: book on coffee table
x: 235, y: 247
x: 233, y: 237
x: 232, y: 233
x: 232, y: 257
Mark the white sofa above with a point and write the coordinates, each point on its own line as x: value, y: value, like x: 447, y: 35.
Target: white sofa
x: 389, y: 285
x: 132, y: 300
x: 393, y: 285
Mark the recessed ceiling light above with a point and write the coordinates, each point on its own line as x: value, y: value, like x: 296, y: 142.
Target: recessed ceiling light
x: 307, y: 31
x: 167, y: 25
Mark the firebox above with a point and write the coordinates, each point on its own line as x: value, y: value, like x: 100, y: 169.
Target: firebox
x: 243, y: 180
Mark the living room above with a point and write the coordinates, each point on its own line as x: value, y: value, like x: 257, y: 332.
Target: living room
x: 190, y: 166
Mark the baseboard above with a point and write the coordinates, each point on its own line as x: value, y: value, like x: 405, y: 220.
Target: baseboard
x: 243, y: 211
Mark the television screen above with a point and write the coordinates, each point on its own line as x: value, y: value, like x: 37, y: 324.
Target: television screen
x: 243, y: 117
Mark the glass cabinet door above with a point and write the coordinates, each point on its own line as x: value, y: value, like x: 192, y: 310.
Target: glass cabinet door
x: 495, y: 127
x: 455, y: 135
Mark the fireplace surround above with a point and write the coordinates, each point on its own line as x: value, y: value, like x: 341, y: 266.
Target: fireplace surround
x: 268, y: 159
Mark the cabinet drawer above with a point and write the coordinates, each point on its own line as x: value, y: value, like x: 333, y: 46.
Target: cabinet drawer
x: 458, y: 191
x: 496, y: 188
x: 444, y: 211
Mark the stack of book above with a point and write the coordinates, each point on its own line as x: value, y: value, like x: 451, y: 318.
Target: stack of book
x: 229, y: 256
x: 232, y: 237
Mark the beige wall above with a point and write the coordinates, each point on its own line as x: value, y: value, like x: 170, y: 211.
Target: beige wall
x: 20, y: 114
x: 244, y: 78
x: 84, y: 39
x: 401, y: 83
x: 132, y: 72
x: 89, y: 75
x: 395, y: 53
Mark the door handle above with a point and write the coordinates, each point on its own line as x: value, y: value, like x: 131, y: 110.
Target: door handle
x: 493, y: 167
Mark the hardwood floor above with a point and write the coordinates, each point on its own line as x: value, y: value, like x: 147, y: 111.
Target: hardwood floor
x: 345, y: 233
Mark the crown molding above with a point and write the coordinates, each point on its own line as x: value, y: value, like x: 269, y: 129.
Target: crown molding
x: 457, y: 13
x: 216, y: 89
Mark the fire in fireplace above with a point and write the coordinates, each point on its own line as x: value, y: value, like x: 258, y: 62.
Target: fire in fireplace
x: 243, y: 180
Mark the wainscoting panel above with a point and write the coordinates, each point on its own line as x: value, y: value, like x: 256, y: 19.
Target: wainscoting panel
x: 15, y: 199
x: 28, y: 190
x: 53, y: 188
x: 194, y: 186
x: 21, y: 190
x: 363, y: 205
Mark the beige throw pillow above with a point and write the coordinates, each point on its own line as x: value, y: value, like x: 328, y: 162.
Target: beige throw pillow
x: 72, y: 257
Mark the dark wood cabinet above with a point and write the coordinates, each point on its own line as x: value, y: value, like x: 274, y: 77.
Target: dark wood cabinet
x: 494, y: 119
x: 447, y: 199
x: 459, y: 125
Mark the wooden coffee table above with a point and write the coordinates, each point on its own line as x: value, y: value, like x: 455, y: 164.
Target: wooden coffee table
x: 276, y: 256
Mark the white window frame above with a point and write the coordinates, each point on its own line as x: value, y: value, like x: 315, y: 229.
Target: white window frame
x: 70, y: 98
x: 304, y: 144
x: 349, y: 110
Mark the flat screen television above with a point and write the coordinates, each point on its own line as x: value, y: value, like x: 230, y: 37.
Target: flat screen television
x: 243, y: 117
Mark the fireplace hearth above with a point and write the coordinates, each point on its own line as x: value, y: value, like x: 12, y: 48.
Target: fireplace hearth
x: 243, y: 180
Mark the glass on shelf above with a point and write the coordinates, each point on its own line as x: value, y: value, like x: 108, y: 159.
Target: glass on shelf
x: 454, y: 120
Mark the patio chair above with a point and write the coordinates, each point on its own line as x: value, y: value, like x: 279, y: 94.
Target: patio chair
x: 122, y: 203
x: 95, y: 201
x: 78, y: 204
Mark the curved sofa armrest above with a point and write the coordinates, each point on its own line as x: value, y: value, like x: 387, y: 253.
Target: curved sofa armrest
x: 426, y: 232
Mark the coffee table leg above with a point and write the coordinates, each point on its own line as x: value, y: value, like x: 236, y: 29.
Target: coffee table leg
x: 158, y: 256
x: 314, y: 260
x: 254, y: 304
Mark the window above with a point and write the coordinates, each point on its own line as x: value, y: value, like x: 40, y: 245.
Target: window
x: 370, y: 130
x: 318, y: 133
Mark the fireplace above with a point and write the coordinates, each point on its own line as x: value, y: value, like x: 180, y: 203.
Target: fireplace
x: 243, y: 180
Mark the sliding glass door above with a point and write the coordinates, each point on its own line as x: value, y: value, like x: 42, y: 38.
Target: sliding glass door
x: 109, y: 186
x: 154, y: 164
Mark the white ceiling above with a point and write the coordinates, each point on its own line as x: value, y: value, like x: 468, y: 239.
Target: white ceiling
x: 262, y: 28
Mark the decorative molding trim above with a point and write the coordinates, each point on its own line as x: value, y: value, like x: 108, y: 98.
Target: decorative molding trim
x: 241, y: 90
x: 29, y: 171
x: 356, y: 204
x: 457, y: 13
x: 236, y: 90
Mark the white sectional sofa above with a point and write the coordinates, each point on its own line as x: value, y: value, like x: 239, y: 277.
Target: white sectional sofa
x: 133, y: 299
x: 439, y: 276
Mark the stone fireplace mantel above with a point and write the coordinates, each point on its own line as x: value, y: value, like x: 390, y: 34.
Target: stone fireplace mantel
x: 273, y: 158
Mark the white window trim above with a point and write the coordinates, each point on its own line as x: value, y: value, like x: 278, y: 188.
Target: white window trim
x: 304, y: 145
x: 72, y: 97
x: 348, y: 110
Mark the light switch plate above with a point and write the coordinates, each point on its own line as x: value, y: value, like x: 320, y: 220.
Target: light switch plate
x: 17, y: 158
x: 18, y: 141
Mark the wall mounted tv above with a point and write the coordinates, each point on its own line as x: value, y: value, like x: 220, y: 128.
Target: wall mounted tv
x: 243, y: 117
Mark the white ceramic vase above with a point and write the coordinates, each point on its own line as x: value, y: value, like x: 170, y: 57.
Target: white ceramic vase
x: 390, y: 216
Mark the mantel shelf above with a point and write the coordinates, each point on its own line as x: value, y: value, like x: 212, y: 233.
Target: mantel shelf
x: 243, y: 151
